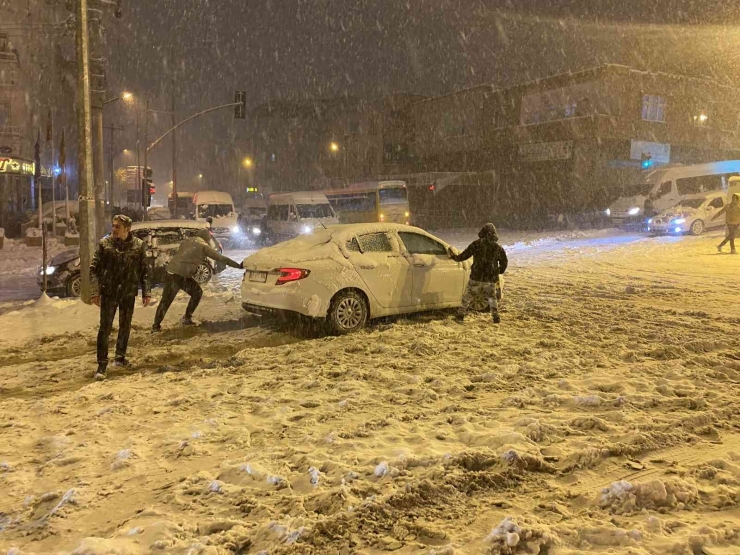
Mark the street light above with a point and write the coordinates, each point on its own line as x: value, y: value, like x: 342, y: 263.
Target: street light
x: 248, y: 162
x: 125, y: 96
x: 334, y: 147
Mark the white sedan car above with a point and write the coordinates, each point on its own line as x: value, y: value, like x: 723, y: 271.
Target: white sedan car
x: 349, y: 274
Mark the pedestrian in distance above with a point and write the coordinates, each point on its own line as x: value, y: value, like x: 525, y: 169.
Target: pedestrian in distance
x: 732, y: 220
x: 118, y: 271
x: 489, y: 262
x: 192, y: 252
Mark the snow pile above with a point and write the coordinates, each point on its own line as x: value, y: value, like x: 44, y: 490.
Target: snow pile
x: 18, y: 258
x: 509, y: 537
x: 625, y: 498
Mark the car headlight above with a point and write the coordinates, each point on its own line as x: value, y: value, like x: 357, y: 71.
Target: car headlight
x: 679, y: 221
x: 235, y: 229
x: 650, y: 221
x: 306, y: 229
x: 49, y: 270
x: 608, y: 211
x: 634, y: 211
x: 256, y: 231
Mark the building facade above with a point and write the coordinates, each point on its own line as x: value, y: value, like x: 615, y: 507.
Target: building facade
x: 570, y: 143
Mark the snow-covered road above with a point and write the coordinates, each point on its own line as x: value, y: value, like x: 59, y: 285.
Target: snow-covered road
x: 600, y: 416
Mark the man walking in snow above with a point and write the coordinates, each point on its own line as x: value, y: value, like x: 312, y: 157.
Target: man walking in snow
x: 192, y: 253
x: 732, y: 219
x: 489, y: 261
x: 117, y: 272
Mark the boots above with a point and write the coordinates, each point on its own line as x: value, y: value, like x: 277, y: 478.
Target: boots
x: 187, y: 321
x: 496, y: 318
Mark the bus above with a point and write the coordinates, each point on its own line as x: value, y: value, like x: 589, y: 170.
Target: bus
x: 371, y: 201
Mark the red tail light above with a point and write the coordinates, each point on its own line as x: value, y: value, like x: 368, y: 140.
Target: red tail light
x: 291, y: 274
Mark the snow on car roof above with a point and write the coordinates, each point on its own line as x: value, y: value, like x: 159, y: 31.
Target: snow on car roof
x: 158, y: 224
x: 330, y: 243
x: 342, y: 233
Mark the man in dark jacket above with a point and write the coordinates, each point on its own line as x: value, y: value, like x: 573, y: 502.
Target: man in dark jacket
x: 117, y: 272
x: 192, y: 253
x: 489, y: 261
x: 732, y: 220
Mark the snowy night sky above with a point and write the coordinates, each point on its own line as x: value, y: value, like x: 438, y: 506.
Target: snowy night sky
x: 328, y: 48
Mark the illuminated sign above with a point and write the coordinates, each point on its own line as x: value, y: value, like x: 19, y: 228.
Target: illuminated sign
x: 15, y: 166
x: 252, y: 190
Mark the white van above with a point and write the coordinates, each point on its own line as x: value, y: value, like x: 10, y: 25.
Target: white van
x: 292, y: 214
x: 220, y: 207
x: 665, y: 187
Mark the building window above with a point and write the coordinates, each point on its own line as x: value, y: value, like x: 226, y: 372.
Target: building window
x: 4, y: 114
x: 570, y: 109
x: 653, y: 108
x: 4, y: 44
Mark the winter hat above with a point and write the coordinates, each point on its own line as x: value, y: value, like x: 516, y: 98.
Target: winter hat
x: 488, y: 231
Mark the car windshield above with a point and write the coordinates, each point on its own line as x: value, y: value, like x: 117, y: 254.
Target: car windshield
x: 214, y: 210
x: 392, y: 196
x: 692, y: 202
x: 315, y: 211
x: 256, y: 211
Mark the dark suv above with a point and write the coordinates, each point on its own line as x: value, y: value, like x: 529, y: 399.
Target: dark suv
x: 162, y: 239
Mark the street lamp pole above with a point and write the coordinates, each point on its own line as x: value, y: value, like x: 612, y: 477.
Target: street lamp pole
x: 85, y: 161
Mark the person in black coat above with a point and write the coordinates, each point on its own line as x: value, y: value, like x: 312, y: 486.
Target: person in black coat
x: 118, y: 271
x: 489, y: 261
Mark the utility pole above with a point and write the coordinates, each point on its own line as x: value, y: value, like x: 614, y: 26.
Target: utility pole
x: 174, y: 150
x: 145, y: 184
x: 138, y: 152
x: 111, y: 155
x: 85, y: 153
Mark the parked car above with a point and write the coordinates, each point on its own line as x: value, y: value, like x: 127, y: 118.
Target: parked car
x: 349, y: 274
x: 693, y: 214
x: 158, y: 213
x: 162, y: 239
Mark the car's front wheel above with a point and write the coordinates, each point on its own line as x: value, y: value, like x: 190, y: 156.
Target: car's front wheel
x: 697, y: 228
x: 203, y: 274
x: 74, y: 285
x: 348, y: 312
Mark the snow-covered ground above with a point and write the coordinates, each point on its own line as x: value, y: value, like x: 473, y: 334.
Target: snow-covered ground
x: 599, y: 417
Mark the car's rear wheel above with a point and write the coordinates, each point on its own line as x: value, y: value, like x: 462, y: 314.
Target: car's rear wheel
x: 74, y: 285
x: 348, y: 312
x: 203, y: 274
x: 697, y: 228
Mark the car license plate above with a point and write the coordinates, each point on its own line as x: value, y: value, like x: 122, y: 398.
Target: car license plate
x: 258, y: 276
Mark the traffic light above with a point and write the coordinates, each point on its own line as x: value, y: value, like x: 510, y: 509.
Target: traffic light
x: 240, y: 110
x: 147, y: 188
x: 646, y: 161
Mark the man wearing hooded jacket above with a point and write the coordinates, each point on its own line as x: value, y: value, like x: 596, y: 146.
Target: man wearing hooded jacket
x: 732, y: 220
x: 489, y: 261
x: 192, y: 252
